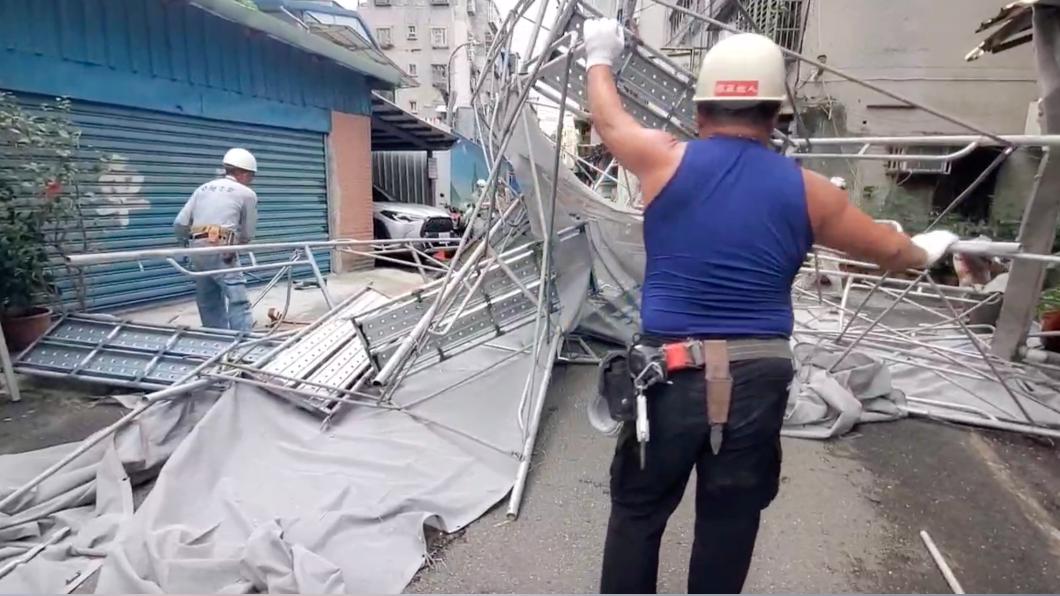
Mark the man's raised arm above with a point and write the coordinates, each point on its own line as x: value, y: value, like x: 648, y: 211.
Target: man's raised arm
x: 651, y: 155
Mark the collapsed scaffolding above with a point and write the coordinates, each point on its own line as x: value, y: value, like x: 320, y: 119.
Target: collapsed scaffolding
x: 555, y: 258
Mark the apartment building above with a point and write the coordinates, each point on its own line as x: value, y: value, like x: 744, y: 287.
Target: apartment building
x: 441, y: 43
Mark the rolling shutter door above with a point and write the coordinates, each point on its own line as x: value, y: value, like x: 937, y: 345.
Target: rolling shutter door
x: 156, y: 161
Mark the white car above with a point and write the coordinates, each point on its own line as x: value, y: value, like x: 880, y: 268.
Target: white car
x: 393, y: 221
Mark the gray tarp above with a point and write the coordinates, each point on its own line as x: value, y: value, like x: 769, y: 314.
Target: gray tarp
x: 260, y: 497
x: 829, y: 396
x: 92, y: 496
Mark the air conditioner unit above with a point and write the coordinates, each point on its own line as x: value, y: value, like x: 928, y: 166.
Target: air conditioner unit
x: 382, y: 2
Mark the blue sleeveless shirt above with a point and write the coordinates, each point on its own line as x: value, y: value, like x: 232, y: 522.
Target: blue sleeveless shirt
x: 724, y: 241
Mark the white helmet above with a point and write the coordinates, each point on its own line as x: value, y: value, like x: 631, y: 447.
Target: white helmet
x: 839, y: 182
x: 746, y: 68
x: 238, y: 157
x: 480, y: 183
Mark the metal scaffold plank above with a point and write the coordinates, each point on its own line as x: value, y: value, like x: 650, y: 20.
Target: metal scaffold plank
x: 118, y: 352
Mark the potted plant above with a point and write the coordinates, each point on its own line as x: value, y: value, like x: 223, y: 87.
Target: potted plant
x: 40, y: 215
x: 24, y: 277
x: 1049, y: 314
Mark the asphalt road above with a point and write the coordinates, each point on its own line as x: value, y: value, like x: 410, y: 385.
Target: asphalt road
x: 847, y: 519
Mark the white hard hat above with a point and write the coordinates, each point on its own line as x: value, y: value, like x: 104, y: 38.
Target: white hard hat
x: 838, y: 182
x: 480, y: 183
x: 237, y: 157
x: 600, y: 416
x: 745, y: 68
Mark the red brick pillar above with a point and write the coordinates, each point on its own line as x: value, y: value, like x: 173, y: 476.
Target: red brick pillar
x: 350, y: 185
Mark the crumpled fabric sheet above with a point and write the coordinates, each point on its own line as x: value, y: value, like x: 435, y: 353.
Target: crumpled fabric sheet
x: 261, y: 498
x: 825, y: 403
x: 616, y: 249
x: 948, y: 390
x: 92, y: 495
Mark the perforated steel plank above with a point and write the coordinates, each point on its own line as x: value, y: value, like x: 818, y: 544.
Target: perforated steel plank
x: 190, y: 342
x: 507, y: 312
x: 332, y: 355
x: 309, y: 352
x: 653, y: 92
x: 118, y: 365
x: 341, y: 370
x: 106, y: 350
x: 383, y: 326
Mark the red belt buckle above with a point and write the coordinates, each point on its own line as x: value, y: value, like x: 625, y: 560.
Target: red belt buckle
x: 678, y: 357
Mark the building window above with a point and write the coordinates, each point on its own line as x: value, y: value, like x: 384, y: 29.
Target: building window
x: 439, y: 2
x: 413, y: 107
x: 411, y: 32
x: 779, y: 19
x: 440, y: 76
x: 382, y: 35
x: 412, y: 69
x: 439, y: 39
x: 382, y: 2
x: 677, y: 21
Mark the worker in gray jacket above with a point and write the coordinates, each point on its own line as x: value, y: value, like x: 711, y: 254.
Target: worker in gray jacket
x: 222, y: 212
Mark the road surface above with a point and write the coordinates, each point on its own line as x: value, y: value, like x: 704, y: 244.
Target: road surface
x: 847, y: 519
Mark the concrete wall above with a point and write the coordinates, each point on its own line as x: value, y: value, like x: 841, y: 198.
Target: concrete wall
x: 1014, y: 183
x: 350, y: 184
x: 916, y: 48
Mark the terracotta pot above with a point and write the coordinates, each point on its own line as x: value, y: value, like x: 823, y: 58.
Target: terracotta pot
x: 24, y: 328
x: 1051, y: 322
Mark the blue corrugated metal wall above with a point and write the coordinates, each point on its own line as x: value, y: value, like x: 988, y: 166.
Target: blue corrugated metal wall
x: 155, y: 162
x: 169, y: 56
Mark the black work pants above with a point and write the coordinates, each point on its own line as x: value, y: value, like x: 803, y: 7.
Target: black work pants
x: 732, y: 487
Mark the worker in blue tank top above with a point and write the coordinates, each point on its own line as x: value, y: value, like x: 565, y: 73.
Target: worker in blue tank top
x: 727, y: 224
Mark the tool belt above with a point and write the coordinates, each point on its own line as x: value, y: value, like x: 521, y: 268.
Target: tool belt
x: 620, y: 372
x: 217, y: 235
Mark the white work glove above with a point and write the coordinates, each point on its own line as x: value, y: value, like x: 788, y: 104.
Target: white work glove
x: 935, y: 244
x: 603, y: 41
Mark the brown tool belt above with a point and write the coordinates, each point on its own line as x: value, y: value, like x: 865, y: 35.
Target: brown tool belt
x: 215, y: 234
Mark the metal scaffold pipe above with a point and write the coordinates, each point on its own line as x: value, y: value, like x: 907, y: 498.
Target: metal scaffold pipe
x: 81, y: 260
x: 930, y: 141
x: 405, y: 349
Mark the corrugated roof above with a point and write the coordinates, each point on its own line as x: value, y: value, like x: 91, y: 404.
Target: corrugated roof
x: 394, y: 129
x: 1013, y: 27
x: 366, y: 60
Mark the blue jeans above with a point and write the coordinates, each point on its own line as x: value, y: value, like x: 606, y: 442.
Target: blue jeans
x: 222, y: 298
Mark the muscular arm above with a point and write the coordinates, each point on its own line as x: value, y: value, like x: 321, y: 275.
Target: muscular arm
x: 652, y: 155
x: 840, y: 225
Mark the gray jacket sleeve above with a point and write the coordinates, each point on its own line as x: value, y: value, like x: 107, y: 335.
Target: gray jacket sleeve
x: 182, y: 225
x: 248, y: 218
